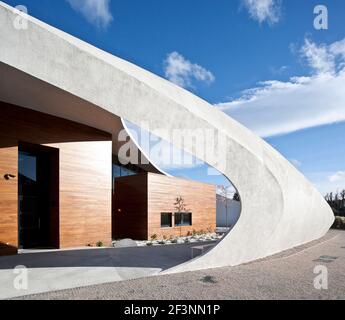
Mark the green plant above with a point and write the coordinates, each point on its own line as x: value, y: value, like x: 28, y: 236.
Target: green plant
x: 339, y: 223
x: 99, y: 244
x: 154, y: 237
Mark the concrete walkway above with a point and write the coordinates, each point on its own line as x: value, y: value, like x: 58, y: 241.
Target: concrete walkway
x: 289, y: 275
x: 57, y: 270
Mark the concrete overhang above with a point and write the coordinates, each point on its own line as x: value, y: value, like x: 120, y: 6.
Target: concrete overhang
x: 281, y: 209
x: 24, y: 90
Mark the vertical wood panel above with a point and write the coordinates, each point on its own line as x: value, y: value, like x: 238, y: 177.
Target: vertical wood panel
x: 85, y: 173
x: 8, y: 198
x: 85, y: 193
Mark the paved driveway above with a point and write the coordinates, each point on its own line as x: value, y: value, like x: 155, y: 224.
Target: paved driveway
x: 289, y: 275
x: 57, y: 270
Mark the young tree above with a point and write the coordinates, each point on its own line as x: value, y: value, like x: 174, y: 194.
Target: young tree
x: 331, y: 197
x: 180, y: 207
x: 337, y: 201
x: 236, y: 197
x: 342, y: 197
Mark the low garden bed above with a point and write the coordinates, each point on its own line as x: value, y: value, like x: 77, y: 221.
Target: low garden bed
x: 339, y: 223
x: 197, y: 238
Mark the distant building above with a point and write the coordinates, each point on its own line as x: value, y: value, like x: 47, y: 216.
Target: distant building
x: 228, y: 212
x: 144, y: 206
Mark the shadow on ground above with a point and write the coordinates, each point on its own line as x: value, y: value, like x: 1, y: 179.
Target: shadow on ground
x: 158, y: 257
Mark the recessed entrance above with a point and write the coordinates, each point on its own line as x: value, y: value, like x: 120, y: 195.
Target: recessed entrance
x: 38, y: 196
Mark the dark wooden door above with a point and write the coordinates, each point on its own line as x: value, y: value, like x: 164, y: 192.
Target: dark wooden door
x: 36, y: 193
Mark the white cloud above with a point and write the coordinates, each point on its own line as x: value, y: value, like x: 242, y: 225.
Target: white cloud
x: 96, y: 12
x: 337, y: 177
x: 321, y: 181
x: 278, y: 107
x: 183, y: 73
x: 263, y: 10
x: 320, y: 58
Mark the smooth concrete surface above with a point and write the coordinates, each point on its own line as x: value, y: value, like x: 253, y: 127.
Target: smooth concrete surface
x: 280, y: 208
x: 64, y: 269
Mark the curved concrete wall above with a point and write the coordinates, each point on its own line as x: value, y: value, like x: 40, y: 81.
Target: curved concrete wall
x: 288, y: 211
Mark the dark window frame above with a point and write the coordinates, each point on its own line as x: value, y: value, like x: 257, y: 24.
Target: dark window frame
x: 167, y: 226
x: 183, y: 221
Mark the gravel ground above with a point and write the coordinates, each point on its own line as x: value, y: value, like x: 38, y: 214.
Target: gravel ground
x: 289, y: 275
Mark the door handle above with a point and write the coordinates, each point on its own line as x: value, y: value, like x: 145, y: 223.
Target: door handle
x: 9, y: 176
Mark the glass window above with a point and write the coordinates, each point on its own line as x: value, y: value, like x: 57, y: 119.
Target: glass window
x: 126, y: 172
x: 166, y: 220
x: 116, y: 171
x: 183, y: 219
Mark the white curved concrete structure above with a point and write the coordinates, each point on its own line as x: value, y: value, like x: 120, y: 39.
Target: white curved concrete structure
x: 280, y: 208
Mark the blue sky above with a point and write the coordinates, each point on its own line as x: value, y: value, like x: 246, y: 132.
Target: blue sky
x: 260, y: 61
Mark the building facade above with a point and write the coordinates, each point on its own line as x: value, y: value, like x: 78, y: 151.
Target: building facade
x: 146, y: 207
x: 49, y: 71
x: 62, y: 185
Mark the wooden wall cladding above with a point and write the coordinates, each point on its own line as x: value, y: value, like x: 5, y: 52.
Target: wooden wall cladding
x: 142, y: 198
x: 8, y: 197
x: 200, y: 200
x: 85, y: 174
x: 85, y: 193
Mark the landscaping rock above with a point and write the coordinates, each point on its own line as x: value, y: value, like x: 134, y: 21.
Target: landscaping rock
x: 125, y: 243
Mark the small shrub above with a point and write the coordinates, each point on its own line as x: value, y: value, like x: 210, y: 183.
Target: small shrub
x: 200, y: 233
x: 154, y: 237
x: 339, y: 223
x: 189, y: 234
x: 165, y: 238
x: 99, y: 244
